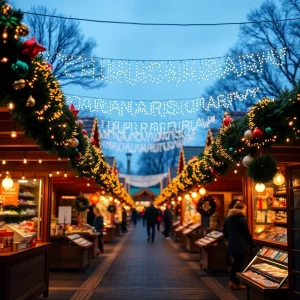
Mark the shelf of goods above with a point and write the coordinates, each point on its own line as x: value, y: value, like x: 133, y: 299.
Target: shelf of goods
x: 213, y: 255
x: 266, y: 275
x: 269, y: 207
x: 25, y: 212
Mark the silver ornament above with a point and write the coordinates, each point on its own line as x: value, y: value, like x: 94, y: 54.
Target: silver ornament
x: 247, y: 160
x: 248, y: 135
x: 73, y: 142
x: 19, y: 84
x: 30, y: 102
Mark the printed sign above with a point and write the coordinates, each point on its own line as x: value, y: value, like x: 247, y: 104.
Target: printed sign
x: 10, y: 196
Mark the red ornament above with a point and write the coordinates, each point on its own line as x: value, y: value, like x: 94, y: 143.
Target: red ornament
x: 73, y: 110
x: 31, y: 48
x: 84, y: 132
x: 258, y: 133
x: 227, y: 121
x: 94, y: 199
x: 93, y: 142
x: 78, y: 156
x: 214, y: 172
x: 80, y: 123
x: 49, y: 66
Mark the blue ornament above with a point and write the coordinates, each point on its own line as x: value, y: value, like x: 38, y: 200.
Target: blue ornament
x: 20, y: 68
x: 231, y: 149
x: 269, y: 131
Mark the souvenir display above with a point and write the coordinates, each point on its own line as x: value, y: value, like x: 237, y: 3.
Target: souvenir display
x: 274, y: 233
x: 210, y: 238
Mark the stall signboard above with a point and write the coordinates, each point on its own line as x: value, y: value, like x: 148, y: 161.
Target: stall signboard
x: 64, y: 215
x: 10, y: 196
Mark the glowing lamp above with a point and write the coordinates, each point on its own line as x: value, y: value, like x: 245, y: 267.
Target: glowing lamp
x: 187, y: 196
x: 179, y: 198
x: 278, y: 179
x: 173, y: 202
x: 7, y: 182
x: 202, y: 191
x: 194, y: 195
x: 260, y: 187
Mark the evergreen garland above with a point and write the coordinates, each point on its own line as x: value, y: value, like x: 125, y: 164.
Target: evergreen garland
x: 203, y: 202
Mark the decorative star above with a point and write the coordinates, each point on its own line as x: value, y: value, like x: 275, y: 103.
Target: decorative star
x: 31, y: 48
x: 73, y: 110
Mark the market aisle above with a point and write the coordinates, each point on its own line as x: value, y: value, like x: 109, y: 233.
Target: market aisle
x: 145, y: 270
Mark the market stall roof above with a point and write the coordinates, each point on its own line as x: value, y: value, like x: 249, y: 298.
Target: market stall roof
x: 151, y: 191
x: 186, y: 153
x: 172, y: 173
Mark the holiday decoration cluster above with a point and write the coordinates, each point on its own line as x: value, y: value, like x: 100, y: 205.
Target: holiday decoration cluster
x: 239, y: 142
x: 35, y: 99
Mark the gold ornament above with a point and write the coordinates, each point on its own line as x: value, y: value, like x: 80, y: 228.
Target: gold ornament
x: 30, y: 102
x: 23, y: 30
x: 6, y: 8
x: 19, y: 84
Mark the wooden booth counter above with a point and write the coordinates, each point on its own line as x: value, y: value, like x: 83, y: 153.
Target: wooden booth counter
x: 109, y: 233
x: 24, y: 274
x: 190, y: 236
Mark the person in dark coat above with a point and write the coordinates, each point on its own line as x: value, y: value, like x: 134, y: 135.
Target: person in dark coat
x: 237, y: 233
x: 168, y: 217
x: 151, y: 217
x: 159, y: 219
x: 124, y: 221
x: 90, y: 218
x: 134, y: 216
x: 98, y: 225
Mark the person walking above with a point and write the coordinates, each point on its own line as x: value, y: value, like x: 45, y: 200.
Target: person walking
x: 159, y: 218
x: 124, y: 221
x: 134, y: 216
x: 239, y: 239
x: 168, y: 217
x: 98, y: 225
x: 143, y: 216
x: 151, y: 217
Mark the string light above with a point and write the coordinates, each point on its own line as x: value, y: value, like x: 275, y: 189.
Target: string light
x: 65, y: 175
x: 50, y: 174
x: 10, y: 105
x: 13, y: 134
x: 40, y: 159
x: 23, y: 176
x: 57, y: 172
x: 154, y: 71
x: 25, y: 159
x: 161, y: 108
x: 34, y: 178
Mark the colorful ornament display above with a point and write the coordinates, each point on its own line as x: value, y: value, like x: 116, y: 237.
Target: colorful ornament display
x: 20, y: 68
x: 258, y: 133
x: 31, y: 48
x: 30, y: 102
x: 227, y: 121
x: 248, y: 135
x: 247, y: 160
x: 19, y: 84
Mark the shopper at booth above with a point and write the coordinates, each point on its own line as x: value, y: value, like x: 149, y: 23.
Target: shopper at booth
x: 168, y: 217
x: 98, y: 224
x: 124, y: 220
x: 237, y: 233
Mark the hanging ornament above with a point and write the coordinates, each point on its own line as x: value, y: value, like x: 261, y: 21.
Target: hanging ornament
x: 23, y: 30
x: 20, y: 68
x: 49, y: 66
x: 30, y: 102
x: 93, y: 142
x: 73, y: 110
x: 214, y: 172
x: 19, y: 84
x: 231, y: 149
x: 78, y: 156
x: 31, y: 48
x: 269, y: 131
x: 73, y: 142
x: 227, y: 121
x: 7, y: 182
x: 258, y: 133
x: 247, y: 160
x: 279, y: 179
x: 84, y: 132
x: 73, y: 152
x: 80, y: 123
x: 260, y: 187
x: 248, y: 135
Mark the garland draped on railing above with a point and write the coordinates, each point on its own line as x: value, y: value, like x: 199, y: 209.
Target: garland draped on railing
x: 37, y: 103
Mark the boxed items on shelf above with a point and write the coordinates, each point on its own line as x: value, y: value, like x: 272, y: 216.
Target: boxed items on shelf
x: 6, y: 240
x: 210, y: 238
x: 274, y: 233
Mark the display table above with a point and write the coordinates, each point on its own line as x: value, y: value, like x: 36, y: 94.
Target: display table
x: 180, y: 229
x: 213, y: 252
x: 65, y: 255
x: 24, y: 274
x: 190, y: 236
x: 174, y: 226
x: 109, y: 233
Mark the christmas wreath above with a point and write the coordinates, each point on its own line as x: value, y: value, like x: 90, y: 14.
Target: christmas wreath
x: 206, y: 206
x: 81, y: 203
x: 111, y: 208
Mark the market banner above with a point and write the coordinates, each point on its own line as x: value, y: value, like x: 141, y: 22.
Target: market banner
x: 143, y: 181
x: 10, y: 196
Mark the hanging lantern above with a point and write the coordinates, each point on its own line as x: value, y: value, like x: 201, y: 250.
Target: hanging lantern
x: 260, y: 187
x: 202, y: 191
x: 7, y: 182
x: 94, y: 199
x: 279, y: 179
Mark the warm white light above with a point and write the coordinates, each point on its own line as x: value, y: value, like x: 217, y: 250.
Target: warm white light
x: 10, y: 106
x: 7, y: 182
x: 202, y: 191
x: 50, y: 174
x: 260, y: 187
x: 23, y: 181
x: 173, y: 202
x: 57, y: 172
x: 187, y: 196
x: 65, y: 175
x: 194, y: 195
x: 40, y: 161
x: 25, y: 160
x: 179, y: 198
x: 3, y: 162
x: 278, y: 179
x: 13, y: 134
x: 88, y: 184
